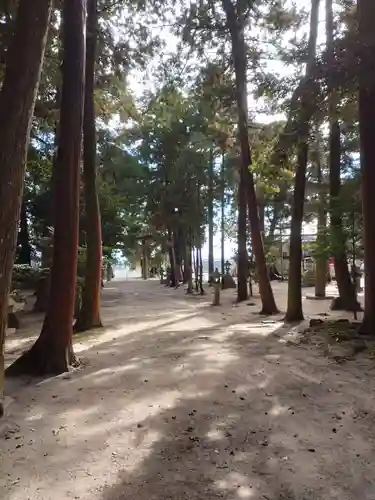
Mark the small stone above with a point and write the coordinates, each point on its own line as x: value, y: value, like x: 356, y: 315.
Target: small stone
x: 311, y: 450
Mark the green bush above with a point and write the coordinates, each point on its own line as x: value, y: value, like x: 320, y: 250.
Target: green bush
x: 27, y: 277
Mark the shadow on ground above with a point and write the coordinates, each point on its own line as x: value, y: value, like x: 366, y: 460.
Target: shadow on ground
x: 204, y: 405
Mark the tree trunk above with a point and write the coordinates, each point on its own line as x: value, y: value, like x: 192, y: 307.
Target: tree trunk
x: 366, y: 15
x: 347, y: 299
x: 188, y: 270
x: 223, y: 216
x: 89, y: 314
x: 177, y: 249
x: 172, y: 259
x: 199, y: 250
x: 196, y: 268
x: 145, y: 264
x: 242, y: 258
x: 17, y: 100
x: 294, y: 308
x: 52, y: 352
x: 23, y: 242
x: 321, y: 257
x: 236, y: 24
x: 211, y: 263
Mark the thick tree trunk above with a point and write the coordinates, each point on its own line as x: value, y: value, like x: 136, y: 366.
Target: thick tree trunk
x: 196, y: 268
x: 52, y: 352
x: 264, y: 284
x: 17, y: 100
x: 294, y: 308
x: 366, y: 15
x: 242, y: 258
x: 178, y: 254
x: 236, y: 23
x: 321, y: 258
x: 89, y: 314
x: 347, y: 299
x: 145, y: 264
x: 188, y: 270
x: 23, y: 242
x: 211, y: 263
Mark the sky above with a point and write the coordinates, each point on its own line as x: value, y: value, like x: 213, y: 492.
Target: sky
x: 141, y: 81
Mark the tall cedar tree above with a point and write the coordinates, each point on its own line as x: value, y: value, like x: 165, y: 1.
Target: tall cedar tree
x: 347, y: 299
x: 321, y: 259
x: 366, y: 16
x: 89, y: 315
x: 211, y: 261
x: 17, y: 101
x: 236, y: 21
x: 294, y: 309
x: 242, y: 258
x: 52, y: 352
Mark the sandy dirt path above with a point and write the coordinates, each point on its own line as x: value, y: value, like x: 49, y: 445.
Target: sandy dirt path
x: 179, y: 400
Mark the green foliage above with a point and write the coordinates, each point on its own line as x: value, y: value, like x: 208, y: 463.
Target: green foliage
x: 26, y: 277
x: 154, y: 152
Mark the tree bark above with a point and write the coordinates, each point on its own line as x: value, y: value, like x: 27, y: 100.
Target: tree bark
x: 188, y: 270
x: 89, y: 314
x: 321, y: 258
x: 222, y: 216
x: 196, y: 268
x: 199, y: 250
x: 211, y: 263
x: 366, y: 16
x: 347, y: 299
x: 145, y: 264
x: 236, y: 25
x: 172, y: 259
x: 294, y: 308
x: 17, y: 100
x: 23, y: 241
x: 52, y: 353
x: 242, y: 258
